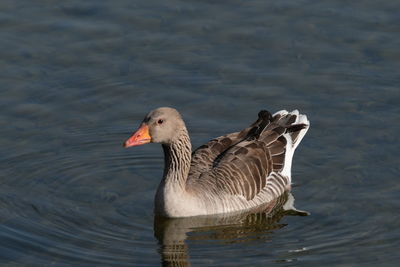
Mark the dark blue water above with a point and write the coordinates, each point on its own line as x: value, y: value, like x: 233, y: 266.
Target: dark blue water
x: 78, y: 76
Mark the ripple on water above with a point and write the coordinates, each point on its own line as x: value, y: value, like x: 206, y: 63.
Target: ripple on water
x: 72, y: 230
x: 73, y: 205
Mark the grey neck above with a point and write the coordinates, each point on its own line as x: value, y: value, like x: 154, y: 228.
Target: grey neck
x: 177, y: 158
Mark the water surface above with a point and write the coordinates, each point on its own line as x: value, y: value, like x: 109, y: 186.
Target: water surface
x: 78, y: 77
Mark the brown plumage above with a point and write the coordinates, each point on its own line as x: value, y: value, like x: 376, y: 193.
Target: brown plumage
x: 234, y: 172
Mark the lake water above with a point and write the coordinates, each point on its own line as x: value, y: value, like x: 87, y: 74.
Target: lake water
x: 77, y: 77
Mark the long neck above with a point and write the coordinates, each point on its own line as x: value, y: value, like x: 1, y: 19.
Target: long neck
x: 177, y: 157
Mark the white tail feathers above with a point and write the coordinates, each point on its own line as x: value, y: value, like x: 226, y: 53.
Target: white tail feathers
x: 301, y: 119
x: 293, y: 138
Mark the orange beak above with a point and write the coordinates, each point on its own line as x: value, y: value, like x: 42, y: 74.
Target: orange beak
x: 140, y: 137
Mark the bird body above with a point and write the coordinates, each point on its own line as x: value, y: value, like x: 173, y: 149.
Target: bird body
x: 238, y: 171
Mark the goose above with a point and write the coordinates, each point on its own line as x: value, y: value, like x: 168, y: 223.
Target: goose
x: 232, y: 173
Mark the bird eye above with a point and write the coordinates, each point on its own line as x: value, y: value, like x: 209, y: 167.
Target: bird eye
x: 160, y: 121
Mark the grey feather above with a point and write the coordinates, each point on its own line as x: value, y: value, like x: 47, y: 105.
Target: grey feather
x: 233, y: 172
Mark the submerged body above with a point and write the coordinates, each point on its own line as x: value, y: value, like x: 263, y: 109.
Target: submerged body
x: 235, y: 172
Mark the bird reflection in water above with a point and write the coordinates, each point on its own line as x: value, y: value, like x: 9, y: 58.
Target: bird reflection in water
x: 172, y: 233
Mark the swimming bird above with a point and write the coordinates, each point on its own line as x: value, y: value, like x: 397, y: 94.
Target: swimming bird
x: 238, y: 171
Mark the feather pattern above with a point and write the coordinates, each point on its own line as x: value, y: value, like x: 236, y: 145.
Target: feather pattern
x: 237, y: 171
